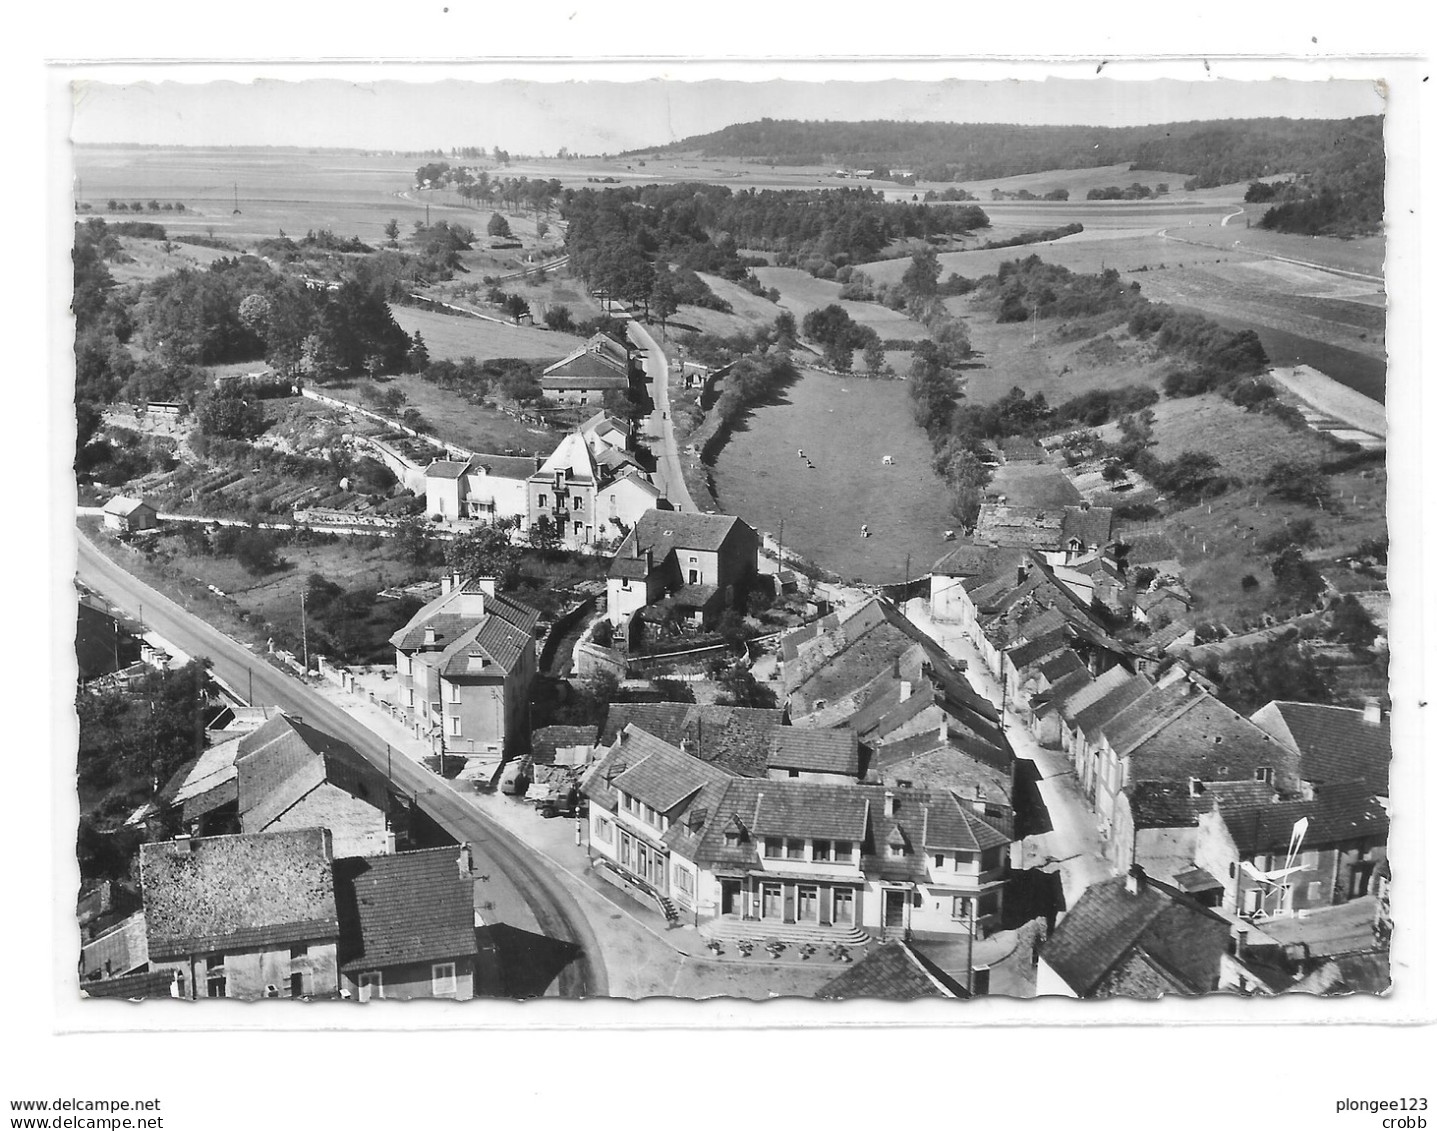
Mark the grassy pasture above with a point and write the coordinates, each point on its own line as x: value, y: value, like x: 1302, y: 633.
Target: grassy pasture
x: 454, y: 336
x: 1078, y: 181
x: 749, y: 311
x: 800, y: 292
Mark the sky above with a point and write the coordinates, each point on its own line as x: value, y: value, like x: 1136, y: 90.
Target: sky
x: 602, y: 116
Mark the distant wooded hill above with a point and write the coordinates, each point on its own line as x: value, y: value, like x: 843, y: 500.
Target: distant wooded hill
x: 1210, y: 153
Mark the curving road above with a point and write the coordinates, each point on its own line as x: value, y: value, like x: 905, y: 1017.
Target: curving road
x: 557, y: 913
x: 670, y: 472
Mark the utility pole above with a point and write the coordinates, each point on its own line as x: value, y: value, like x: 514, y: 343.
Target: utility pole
x: 304, y: 631
x: 251, y: 686
x: 780, y: 553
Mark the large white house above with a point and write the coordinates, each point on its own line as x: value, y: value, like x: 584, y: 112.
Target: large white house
x: 711, y: 847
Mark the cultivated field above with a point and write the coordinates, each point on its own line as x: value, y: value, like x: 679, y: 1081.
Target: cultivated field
x: 1078, y: 181
x: 749, y: 311
x: 453, y: 336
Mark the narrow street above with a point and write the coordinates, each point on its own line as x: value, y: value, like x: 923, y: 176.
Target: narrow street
x: 669, y: 474
x: 1074, y: 846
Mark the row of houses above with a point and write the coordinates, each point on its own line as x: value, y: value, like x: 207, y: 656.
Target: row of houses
x: 280, y: 915
x: 1181, y: 784
x: 877, y: 802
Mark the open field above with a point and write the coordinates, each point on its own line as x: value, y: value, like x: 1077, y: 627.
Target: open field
x: 1005, y: 355
x: 1246, y: 444
x: 800, y: 292
x: 452, y: 336
x: 1365, y: 255
x: 451, y: 416
x: 148, y: 260
x: 845, y: 426
x: 749, y: 311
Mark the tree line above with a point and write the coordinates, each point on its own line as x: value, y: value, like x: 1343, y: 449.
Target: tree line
x: 1210, y: 152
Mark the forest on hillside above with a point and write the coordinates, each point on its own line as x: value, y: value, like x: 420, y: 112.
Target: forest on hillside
x: 1210, y: 153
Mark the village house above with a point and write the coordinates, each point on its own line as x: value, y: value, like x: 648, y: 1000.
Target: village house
x: 1177, y: 731
x: 683, y: 568
x: 407, y: 925
x: 1134, y: 936
x: 466, y: 662
x: 601, y: 365
x: 758, y: 856
x: 128, y: 516
x: 245, y: 917
x: 483, y: 489
x: 289, y: 775
x: 1334, y: 744
x: 1033, y: 506
x: 591, y: 488
x: 1221, y: 837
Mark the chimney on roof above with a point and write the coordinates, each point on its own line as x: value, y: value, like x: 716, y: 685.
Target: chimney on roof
x: 538, y: 463
x: 943, y: 728
x: 905, y: 690
x: 1239, y: 939
x: 1195, y: 787
x: 429, y: 636
x: 466, y: 860
x: 889, y: 804
x: 1022, y: 574
x: 1136, y: 880
x: 1372, y: 712
x: 486, y: 586
x: 446, y: 584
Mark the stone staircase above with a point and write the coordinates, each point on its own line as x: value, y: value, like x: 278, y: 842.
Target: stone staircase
x: 732, y: 930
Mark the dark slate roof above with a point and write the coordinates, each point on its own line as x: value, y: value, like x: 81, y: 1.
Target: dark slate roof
x: 804, y: 809
x: 890, y: 972
x: 973, y: 560
x: 1057, y: 696
x: 1334, y: 743
x: 1038, y: 648
x: 404, y: 907
x: 1109, y: 926
x: 665, y: 531
x: 734, y: 738
x: 1065, y: 663
x: 237, y: 892
x: 546, y: 741
x: 1335, y: 814
x: 1196, y: 879
x: 573, y: 377
x: 658, y: 774
x: 275, y: 775
x: 500, y: 636
x: 818, y: 751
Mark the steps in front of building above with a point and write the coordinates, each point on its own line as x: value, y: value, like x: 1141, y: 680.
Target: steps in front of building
x: 732, y: 930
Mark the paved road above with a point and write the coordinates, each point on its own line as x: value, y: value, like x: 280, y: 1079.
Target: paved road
x: 670, y: 473
x: 555, y: 910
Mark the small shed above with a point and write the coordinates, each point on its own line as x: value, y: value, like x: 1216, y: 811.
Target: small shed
x: 128, y: 515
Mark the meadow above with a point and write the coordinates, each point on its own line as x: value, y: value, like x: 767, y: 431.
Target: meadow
x: 845, y: 426
x: 800, y: 293
x: 453, y: 336
x: 454, y: 417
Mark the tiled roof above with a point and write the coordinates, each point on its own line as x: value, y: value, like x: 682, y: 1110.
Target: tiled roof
x: 1181, y: 731
x: 1335, y: 744
x: 121, y: 505
x: 733, y: 738
x: 1335, y: 814
x: 584, y: 367
x: 1110, y: 926
x: 804, y: 809
x: 1063, y: 664
x: 1094, y: 525
x: 663, y: 531
x: 1124, y: 690
x: 665, y: 721
x: 500, y: 635
x: 814, y: 750
x: 503, y: 467
x: 890, y: 972
x: 404, y: 907
x: 574, y: 457
x: 962, y: 763
x: 1057, y: 696
x: 120, y: 950
x: 658, y: 774
x: 973, y: 560
x: 1163, y: 638
x: 1034, y: 486
x: 446, y: 469
x: 237, y: 892
x: 153, y: 983
x: 1041, y: 647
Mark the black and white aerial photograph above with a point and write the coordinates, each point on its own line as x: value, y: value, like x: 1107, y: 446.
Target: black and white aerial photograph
x: 900, y: 543
x: 524, y: 553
